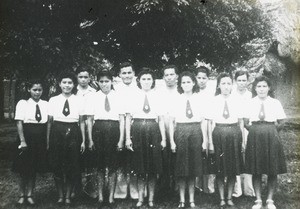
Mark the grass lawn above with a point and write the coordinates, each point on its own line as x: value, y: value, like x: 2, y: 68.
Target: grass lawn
x: 287, y: 196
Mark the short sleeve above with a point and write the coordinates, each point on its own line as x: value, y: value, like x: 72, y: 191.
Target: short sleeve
x: 20, y: 110
x: 211, y: 108
x: 280, y: 114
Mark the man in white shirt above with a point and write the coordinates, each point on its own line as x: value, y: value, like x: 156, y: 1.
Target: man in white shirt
x: 83, y: 90
x: 168, y: 94
x: 126, y: 90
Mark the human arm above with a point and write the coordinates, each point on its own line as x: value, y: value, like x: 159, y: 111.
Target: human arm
x: 171, y: 134
x: 21, y: 134
x: 280, y: 124
x: 120, y: 145
x: 210, y: 127
x: 49, y: 126
x: 204, y: 130
x: 242, y: 127
x: 162, y: 131
x: 90, y: 121
x: 82, y: 130
x: 128, y: 142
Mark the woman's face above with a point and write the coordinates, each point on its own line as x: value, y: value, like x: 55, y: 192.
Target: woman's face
x: 241, y: 82
x: 36, y: 92
x: 202, y: 80
x: 105, y: 84
x: 225, y: 85
x: 262, y: 89
x: 66, y: 85
x: 187, y: 84
x: 146, y: 82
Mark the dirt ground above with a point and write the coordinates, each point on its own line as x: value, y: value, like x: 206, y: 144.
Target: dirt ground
x: 287, y: 196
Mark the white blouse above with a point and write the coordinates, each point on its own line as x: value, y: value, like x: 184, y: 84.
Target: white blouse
x: 56, y: 105
x: 96, y: 106
x: 137, y: 105
x: 26, y: 109
x: 179, y: 108
x: 272, y: 108
x: 235, y: 109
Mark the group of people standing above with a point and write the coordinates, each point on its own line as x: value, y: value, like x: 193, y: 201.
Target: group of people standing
x: 182, y: 132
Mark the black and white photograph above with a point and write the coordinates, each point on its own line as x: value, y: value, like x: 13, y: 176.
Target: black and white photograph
x: 150, y: 104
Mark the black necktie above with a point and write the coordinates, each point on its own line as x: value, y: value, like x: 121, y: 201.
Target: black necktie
x: 146, y: 107
x: 66, y: 110
x: 262, y: 114
x: 226, y: 111
x: 106, y: 105
x: 38, y: 115
x: 188, y: 111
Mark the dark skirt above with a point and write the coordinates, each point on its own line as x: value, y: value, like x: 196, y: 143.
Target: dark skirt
x: 64, y: 149
x: 147, y: 155
x: 106, y: 134
x: 188, y: 139
x: 227, y: 140
x: 264, y: 152
x: 33, y: 159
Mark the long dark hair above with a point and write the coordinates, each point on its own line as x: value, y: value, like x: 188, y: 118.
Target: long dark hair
x: 268, y: 81
x: 220, y: 76
x: 195, y: 89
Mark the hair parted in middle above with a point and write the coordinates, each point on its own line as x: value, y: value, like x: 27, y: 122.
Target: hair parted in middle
x: 143, y: 71
x: 220, y: 76
x: 196, y: 88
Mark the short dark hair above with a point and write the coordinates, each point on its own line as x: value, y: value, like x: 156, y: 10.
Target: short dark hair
x: 196, y: 88
x: 170, y: 67
x: 83, y: 68
x: 32, y: 82
x: 143, y: 71
x: 105, y: 73
x: 29, y: 84
x: 68, y: 74
x: 125, y: 64
x: 220, y: 76
x: 202, y: 69
x: 267, y: 80
x: 240, y: 73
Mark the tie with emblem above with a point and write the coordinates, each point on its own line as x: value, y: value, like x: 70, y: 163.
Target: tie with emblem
x: 38, y: 115
x: 146, y: 107
x: 188, y: 111
x: 226, y: 111
x: 66, y: 110
x: 262, y: 114
x: 106, y: 105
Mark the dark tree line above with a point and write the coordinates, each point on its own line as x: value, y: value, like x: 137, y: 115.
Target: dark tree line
x: 42, y: 37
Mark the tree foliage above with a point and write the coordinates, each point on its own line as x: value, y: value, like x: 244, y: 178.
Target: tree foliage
x: 42, y: 37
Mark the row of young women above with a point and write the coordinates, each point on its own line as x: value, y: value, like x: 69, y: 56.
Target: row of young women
x: 198, y: 125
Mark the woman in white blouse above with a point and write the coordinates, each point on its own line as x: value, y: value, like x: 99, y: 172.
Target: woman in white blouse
x: 31, y: 116
x: 188, y: 140
x: 264, y: 152
x: 106, y: 125
x: 148, y: 135
x: 65, y: 138
x: 227, y: 137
